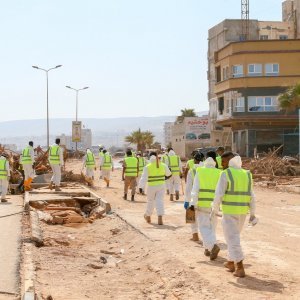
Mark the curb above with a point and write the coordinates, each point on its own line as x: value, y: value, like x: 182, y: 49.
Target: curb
x: 28, y: 289
x: 103, y: 203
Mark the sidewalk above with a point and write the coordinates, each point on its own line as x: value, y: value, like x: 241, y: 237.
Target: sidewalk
x: 10, y: 239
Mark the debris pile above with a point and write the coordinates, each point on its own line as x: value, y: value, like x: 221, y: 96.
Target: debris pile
x: 272, y: 166
x: 273, y: 170
x: 41, y: 165
x: 69, y: 212
x: 69, y: 176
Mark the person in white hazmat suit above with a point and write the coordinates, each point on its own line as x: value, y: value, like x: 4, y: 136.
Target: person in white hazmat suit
x: 203, y: 192
x: 89, y: 162
x: 175, y: 166
x: 164, y: 159
x: 235, y: 193
x: 106, y: 166
x: 56, y: 160
x: 155, y: 174
x: 4, y: 176
x: 198, y: 162
x: 142, y: 164
x: 27, y: 161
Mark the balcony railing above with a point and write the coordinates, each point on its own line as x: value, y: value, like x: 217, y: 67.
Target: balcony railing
x: 226, y: 114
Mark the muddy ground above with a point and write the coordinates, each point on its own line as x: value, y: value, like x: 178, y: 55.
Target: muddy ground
x: 109, y: 259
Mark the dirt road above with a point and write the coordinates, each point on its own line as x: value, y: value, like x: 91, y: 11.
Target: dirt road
x: 160, y: 262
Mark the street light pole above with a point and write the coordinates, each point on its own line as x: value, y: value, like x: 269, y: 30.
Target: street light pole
x: 47, y: 97
x: 77, y: 92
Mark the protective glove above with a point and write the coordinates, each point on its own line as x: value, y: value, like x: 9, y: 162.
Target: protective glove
x: 186, y: 205
x: 253, y: 220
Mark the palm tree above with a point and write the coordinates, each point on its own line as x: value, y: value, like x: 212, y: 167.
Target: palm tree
x: 142, y: 139
x: 148, y: 138
x: 290, y: 99
x: 186, y: 112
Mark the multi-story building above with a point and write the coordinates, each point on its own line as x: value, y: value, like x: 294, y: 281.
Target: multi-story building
x: 189, y: 134
x: 229, y: 31
x: 86, y: 140
x: 168, y: 133
x: 249, y: 77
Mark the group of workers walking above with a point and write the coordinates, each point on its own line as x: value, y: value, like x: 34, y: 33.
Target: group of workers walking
x: 215, y: 184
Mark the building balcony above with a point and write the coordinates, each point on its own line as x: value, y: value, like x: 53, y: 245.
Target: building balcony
x: 257, y: 119
x: 255, y: 82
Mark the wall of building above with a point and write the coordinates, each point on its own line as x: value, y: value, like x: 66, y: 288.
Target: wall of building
x: 276, y: 30
x: 86, y: 140
x: 192, y: 133
x: 168, y: 133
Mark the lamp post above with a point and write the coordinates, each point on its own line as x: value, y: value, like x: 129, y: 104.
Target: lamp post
x: 77, y: 91
x: 46, y: 71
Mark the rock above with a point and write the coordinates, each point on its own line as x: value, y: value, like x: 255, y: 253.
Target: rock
x: 115, y: 231
x: 94, y: 266
x: 74, y: 219
x: 38, y: 204
x: 108, y: 252
x: 97, y: 212
x: 87, y: 208
x: 103, y: 259
x: 57, y: 220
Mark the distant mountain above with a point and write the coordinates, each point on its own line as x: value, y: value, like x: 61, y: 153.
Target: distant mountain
x: 58, y: 126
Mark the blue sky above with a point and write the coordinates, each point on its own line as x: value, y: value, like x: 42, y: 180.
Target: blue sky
x: 139, y: 58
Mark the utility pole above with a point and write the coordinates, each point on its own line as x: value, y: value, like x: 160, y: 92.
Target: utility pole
x: 76, y: 116
x: 47, y: 96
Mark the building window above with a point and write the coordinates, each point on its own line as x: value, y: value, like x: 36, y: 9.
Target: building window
x: 255, y: 69
x: 218, y: 74
x: 264, y: 37
x: 225, y: 74
x: 283, y: 37
x: 263, y: 103
x: 221, y: 105
x: 239, y: 104
x: 271, y: 69
x: 237, y: 71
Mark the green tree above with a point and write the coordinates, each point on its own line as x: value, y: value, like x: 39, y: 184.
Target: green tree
x: 148, y: 138
x: 290, y: 99
x: 186, y: 112
x: 142, y: 139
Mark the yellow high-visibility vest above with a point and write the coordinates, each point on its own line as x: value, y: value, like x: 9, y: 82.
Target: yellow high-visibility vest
x: 54, y: 155
x: 174, y: 164
x: 26, y: 157
x: 107, y: 164
x: 131, y: 164
x: 3, y: 171
x: 219, y: 161
x: 142, y: 163
x: 238, y: 194
x: 156, y: 176
x: 90, y: 160
x: 208, y: 180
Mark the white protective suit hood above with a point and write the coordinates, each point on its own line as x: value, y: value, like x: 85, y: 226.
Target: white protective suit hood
x: 236, y: 162
x: 152, y: 158
x: 171, y: 153
x: 209, y: 162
